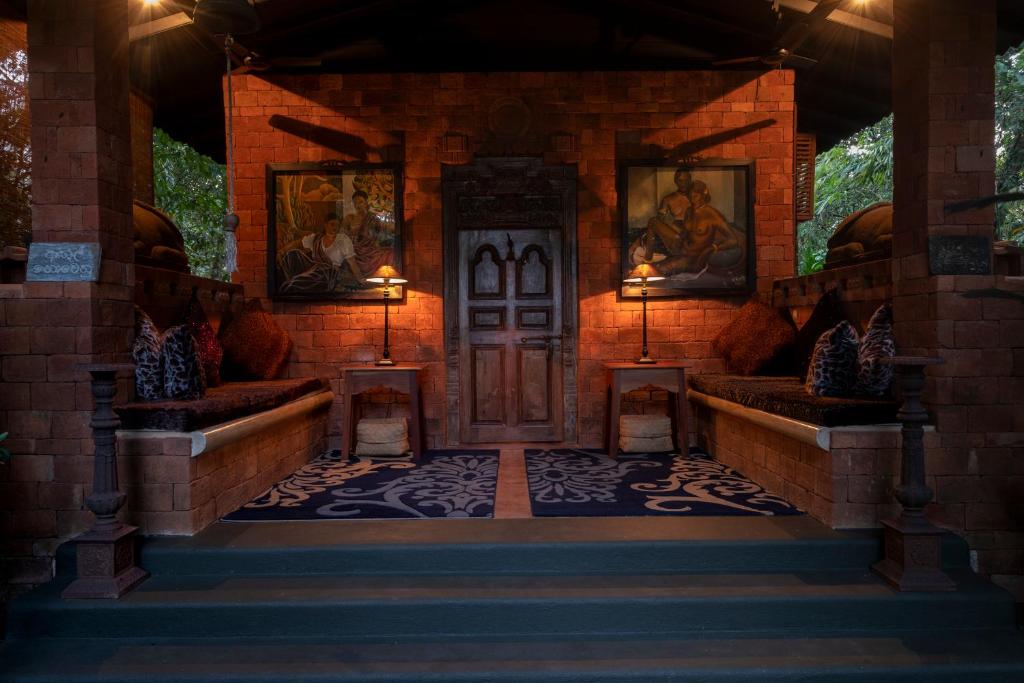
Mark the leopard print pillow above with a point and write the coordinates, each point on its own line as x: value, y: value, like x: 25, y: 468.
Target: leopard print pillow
x: 149, y: 366
x: 183, y: 371
x: 833, y: 369
x: 874, y: 377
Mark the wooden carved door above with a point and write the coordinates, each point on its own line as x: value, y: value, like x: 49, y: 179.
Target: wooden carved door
x: 510, y: 301
x: 510, y: 315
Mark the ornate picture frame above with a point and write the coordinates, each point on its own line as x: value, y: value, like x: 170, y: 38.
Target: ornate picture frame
x: 330, y: 225
x: 694, y: 221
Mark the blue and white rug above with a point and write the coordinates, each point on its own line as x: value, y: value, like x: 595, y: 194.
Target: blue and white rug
x: 569, y: 482
x: 460, y: 483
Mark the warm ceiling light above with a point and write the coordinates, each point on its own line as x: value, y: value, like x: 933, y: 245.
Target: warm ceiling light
x: 150, y: 3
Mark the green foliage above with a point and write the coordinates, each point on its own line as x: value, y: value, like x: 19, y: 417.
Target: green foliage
x: 189, y: 187
x: 852, y: 175
x: 857, y: 172
x: 15, y: 151
x: 1010, y: 142
x: 5, y: 453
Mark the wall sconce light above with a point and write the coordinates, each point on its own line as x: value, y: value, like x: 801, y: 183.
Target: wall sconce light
x: 386, y: 275
x: 641, y: 275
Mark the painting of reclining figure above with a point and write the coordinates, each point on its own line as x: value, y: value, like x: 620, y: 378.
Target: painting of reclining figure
x: 693, y: 222
x: 329, y: 229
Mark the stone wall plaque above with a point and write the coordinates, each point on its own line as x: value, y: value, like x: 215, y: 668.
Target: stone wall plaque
x: 63, y: 262
x: 960, y: 254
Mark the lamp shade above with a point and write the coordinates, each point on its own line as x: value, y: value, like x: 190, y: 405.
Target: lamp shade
x: 386, y: 275
x: 236, y: 17
x: 644, y: 272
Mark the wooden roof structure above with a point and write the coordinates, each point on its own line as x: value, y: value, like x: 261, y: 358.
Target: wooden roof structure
x: 847, y: 88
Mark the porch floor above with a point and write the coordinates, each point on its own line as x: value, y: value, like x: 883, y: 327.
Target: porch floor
x: 517, y: 482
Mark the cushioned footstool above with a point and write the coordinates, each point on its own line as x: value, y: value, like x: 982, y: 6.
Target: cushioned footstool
x: 645, y: 433
x: 382, y: 436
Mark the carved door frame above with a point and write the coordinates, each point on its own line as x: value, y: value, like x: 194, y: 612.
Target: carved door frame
x: 521, y: 192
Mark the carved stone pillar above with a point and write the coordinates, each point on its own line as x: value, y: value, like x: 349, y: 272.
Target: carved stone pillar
x: 105, y: 555
x: 913, y: 545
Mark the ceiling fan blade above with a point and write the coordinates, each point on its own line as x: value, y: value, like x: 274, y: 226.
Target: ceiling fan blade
x: 800, y: 62
x: 737, y: 60
x: 801, y: 30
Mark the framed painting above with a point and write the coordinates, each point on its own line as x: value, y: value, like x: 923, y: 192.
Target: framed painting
x: 693, y: 222
x: 329, y: 227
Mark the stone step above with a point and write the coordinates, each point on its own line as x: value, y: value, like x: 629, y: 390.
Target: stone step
x: 407, y: 607
x: 917, y: 656
x: 529, y: 546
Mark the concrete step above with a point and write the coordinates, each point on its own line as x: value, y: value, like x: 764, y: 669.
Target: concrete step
x: 408, y: 607
x: 920, y: 656
x: 532, y: 546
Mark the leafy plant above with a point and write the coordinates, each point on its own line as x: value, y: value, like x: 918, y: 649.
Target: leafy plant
x: 5, y: 453
x: 857, y: 172
x: 189, y: 187
x: 15, y: 151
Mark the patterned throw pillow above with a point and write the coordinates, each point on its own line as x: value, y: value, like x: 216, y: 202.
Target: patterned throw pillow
x: 756, y: 336
x: 874, y: 377
x: 255, y: 346
x: 211, y: 353
x: 183, y: 371
x: 149, y: 367
x: 833, y: 369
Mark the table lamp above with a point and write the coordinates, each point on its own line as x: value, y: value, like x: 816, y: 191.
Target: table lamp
x: 641, y: 275
x: 386, y: 275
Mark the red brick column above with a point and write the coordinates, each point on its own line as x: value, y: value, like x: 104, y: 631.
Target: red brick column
x: 943, y: 101
x: 81, y: 192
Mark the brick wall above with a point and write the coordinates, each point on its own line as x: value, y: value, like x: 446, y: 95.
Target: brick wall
x: 943, y: 105
x: 171, y: 492
x: 848, y: 486
x: 613, y: 116
x: 81, y: 192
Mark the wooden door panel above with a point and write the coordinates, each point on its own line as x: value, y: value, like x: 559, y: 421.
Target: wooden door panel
x: 486, y: 274
x: 533, y: 273
x: 534, y: 381
x: 510, y: 308
x: 487, y: 396
x: 533, y: 317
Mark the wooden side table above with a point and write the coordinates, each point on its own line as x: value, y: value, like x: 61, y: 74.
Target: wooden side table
x: 401, y: 378
x: 667, y: 375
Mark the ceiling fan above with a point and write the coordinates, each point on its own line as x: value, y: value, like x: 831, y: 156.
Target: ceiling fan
x: 786, y: 45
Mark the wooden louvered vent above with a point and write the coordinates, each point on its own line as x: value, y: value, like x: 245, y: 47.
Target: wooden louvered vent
x: 803, y: 170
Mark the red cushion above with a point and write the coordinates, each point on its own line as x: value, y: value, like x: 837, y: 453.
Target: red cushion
x: 255, y: 346
x: 757, y: 335
x: 208, y: 347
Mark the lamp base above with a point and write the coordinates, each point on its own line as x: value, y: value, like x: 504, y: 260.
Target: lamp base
x: 644, y: 360
x: 385, y: 361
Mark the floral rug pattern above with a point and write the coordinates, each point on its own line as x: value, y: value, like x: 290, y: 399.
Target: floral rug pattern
x: 568, y: 482
x: 459, y: 483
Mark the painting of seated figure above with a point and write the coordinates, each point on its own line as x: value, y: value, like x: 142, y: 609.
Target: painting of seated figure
x: 331, y: 227
x: 693, y: 222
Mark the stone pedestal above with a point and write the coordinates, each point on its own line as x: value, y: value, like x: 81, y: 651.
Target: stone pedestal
x: 913, y: 557
x: 105, y: 564
x: 105, y: 555
x: 913, y: 545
